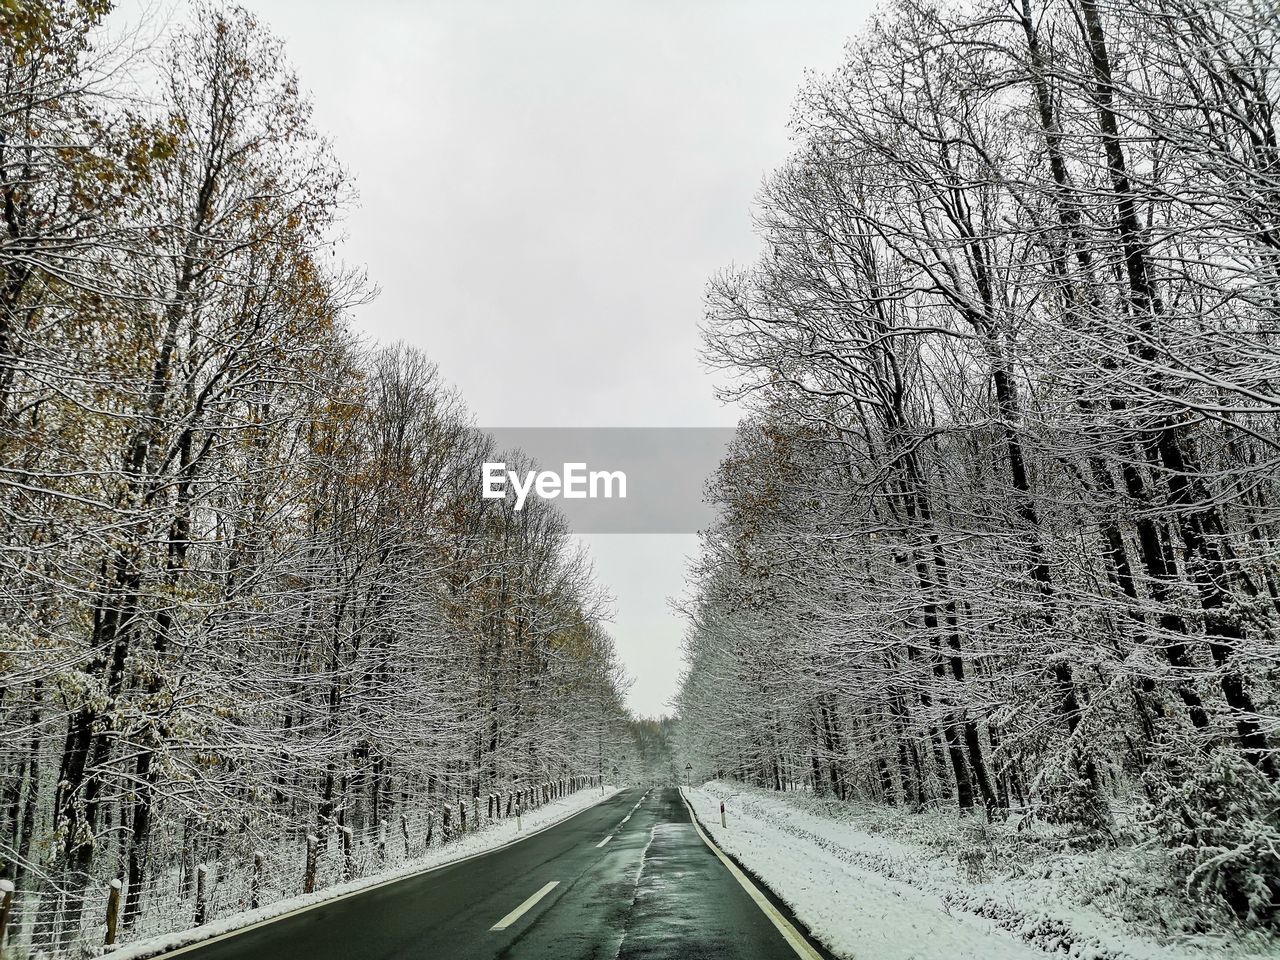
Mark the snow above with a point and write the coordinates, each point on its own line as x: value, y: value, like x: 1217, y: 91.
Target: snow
x: 488, y: 838
x: 854, y: 912
x: 865, y: 894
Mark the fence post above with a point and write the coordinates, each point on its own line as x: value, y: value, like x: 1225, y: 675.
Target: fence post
x: 255, y: 888
x: 446, y: 825
x: 202, y: 891
x: 431, y: 825
x: 6, y: 907
x: 113, y: 913
x: 462, y: 816
x: 475, y: 812
x: 348, y: 864
x: 404, y: 829
x: 490, y: 814
x: 382, y: 841
x: 309, y: 878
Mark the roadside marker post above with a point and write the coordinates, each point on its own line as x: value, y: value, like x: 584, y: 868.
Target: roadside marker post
x: 6, y: 907
x: 309, y: 877
x: 348, y: 861
x: 722, y: 823
x: 113, y: 913
x: 255, y: 886
x: 202, y: 891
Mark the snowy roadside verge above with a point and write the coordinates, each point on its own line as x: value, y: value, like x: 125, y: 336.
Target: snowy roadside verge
x: 867, y: 894
x: 853, y: 912
x: 487, y: 839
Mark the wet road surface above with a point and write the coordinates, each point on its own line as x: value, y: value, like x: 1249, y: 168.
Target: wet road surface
x: 629, y: 879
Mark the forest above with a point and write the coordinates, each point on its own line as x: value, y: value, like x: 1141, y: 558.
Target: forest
x: 251, y: 602
x: 999, y: 531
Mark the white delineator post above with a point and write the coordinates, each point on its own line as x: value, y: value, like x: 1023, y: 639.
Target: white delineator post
x: 722, y: 823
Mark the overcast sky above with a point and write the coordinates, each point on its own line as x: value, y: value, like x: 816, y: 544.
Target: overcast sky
x: 545, y: 187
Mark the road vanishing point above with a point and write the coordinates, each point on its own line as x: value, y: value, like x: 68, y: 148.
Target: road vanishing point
x: 632, y: 877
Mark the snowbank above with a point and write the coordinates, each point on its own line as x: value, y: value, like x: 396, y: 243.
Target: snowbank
x: 488, y: 838
x: 865, y: 893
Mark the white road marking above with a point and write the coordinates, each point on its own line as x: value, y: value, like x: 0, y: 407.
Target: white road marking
x: 525, y: 907
x: 604, y: 841
x: 626, y: 818
x: 789, y: 933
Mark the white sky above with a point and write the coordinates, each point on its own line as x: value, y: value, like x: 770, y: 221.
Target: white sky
x: 546, y: 187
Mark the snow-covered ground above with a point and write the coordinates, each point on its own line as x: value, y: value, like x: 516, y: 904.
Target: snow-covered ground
x: 866, y: 893
x: 488, y: 838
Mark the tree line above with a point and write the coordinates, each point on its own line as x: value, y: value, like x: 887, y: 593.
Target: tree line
x: 1000, y: 530
x: 248, y: 587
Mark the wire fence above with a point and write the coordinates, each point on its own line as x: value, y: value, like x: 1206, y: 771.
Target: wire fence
x: 79, y: 917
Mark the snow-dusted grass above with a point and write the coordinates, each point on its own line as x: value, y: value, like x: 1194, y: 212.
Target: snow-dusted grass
x: 876, y: 882
x: 488, y: 838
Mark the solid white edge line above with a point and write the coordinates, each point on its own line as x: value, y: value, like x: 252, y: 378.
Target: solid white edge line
x: 789, y: 933
x: 525, y: 907
x: 604, y: 841
x: 163, y: 955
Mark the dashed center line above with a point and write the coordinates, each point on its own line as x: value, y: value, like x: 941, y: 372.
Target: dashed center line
x: 605, y: 840
x: 524, y: 908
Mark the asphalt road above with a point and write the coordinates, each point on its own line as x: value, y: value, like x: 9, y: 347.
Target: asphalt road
x: 652, y: 890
